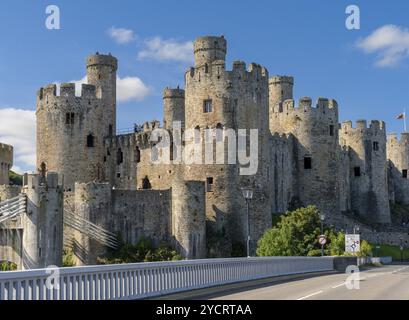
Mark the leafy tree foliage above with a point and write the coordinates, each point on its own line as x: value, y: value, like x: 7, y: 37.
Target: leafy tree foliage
x: 296, y: 234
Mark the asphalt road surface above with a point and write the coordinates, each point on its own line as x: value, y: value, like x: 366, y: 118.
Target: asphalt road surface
x: 379, y: 283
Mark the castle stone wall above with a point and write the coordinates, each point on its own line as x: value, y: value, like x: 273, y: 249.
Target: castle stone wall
x: 368, y: 169
x: 42, y: 239
x: 398, y: 155
x: 189, y: 218
x: 315, y: 152
x: 282, y: 172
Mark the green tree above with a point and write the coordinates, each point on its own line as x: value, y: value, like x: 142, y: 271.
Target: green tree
x: 295, y: 235
x: 366, y: 249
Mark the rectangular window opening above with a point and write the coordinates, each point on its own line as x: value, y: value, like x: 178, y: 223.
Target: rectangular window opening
x: 357, y: 171
x: 405, y: 173
x: 307, y: 163
x: 207, y: 106
x: 376, y: 145
x: 331, y: 130
x: 209, y: 184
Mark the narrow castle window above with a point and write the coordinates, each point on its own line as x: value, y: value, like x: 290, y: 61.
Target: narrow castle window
x: 69, y: 118
x: 375, y: 145
x: 206, y: 68
x: 405, y: 173
x: 357, y: 171
x: 90, y: 141
x: 119, y: 157
x: 207, y: 106
x: 110, y: 130
x: 137, y: 155
x: 209, y: 184
x: 146, y: 185
x: 307, y: 163
x: 331, y: 130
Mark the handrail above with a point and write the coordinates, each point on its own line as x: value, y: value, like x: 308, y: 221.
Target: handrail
x: 142, y: 280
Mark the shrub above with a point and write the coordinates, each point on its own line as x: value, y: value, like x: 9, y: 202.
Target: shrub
x: 296, y: 234
x: 68, y: 258
x: 366, y: 249
x: 7, y: 266
x: 143, y: 251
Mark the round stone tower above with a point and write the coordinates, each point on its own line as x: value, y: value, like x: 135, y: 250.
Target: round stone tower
x: 6, y: 162
x: 315, y: 129
x: 368, y: 169
x: 280, y: 89
x: 71, y: 129
x: 174, y: 107
x: 398, y: 156
x: 218, y: 104
x: 101, y: 73
x: 208, y: 49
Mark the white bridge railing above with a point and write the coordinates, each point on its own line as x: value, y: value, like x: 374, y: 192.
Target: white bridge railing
x: 144, y: 280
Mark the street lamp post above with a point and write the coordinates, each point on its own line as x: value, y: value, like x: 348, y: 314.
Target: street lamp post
x: 322, y: 219
x: 248, y: 196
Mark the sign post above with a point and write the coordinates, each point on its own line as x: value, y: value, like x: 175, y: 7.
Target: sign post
x: 352, y: 243
x: 322, y: 240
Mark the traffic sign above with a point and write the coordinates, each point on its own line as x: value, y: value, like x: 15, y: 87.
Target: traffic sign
x: 322, y: 240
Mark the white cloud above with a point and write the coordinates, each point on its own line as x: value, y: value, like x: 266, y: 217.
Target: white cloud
x: 17, y: 128
x: 121, y: 35
x: 389, y: 42
x: 131, y: 88
x: 167, y: 50
x: 128, y: 88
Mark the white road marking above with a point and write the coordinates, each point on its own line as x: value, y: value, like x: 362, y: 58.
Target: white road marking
x: 311, y: 295
x: 337, y: 286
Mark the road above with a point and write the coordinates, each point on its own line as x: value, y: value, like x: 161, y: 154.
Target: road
x: 379, y: 283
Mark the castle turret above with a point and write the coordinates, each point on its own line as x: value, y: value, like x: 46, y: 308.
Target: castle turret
x: 315, y: 151
x: 368, y: 169
x: 398, y: 156
x: 101, y: 73
x: 71, y: 129
x: 6, y: 162
x: 280, y: 89
x: 174, y: 107
x: 43, y: 221
x: 224, y: 100
x: 208, y: 49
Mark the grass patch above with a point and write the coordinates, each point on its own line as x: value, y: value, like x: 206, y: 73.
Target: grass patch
x: 391, y: 251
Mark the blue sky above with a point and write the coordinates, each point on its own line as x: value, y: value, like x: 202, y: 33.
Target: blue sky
x: 306, y: 39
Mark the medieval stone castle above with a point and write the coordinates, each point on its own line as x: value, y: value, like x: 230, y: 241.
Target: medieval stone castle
x: 352, y: 173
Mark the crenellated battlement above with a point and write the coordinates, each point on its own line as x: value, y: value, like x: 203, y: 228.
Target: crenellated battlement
x: 393, y: 139
x: 102, y: 60
x: 170, y: 93
x: 275, y: 80
x: 216, y: 71
x: 374, y: 127
x: 6, y: 148
x: 305, y: 104
x: 67, y: 90
x: 141, y: 138
x: 6, y: 154
x: 35, y: 181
